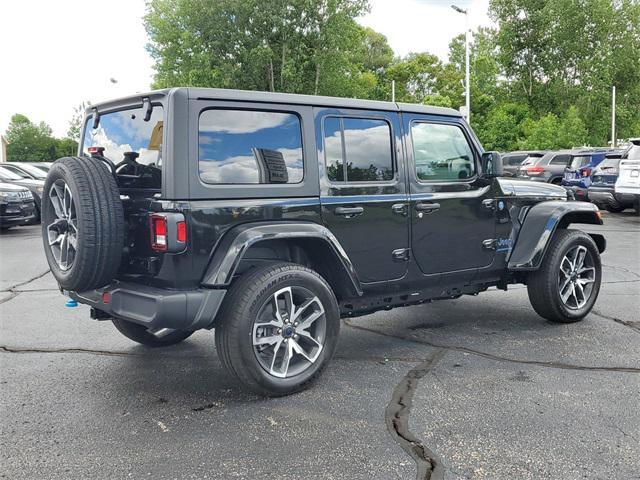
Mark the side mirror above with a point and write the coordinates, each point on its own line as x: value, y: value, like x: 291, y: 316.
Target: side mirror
x: 491, y: 165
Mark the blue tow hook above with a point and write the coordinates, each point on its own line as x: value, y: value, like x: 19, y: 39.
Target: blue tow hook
x: 71, y: 303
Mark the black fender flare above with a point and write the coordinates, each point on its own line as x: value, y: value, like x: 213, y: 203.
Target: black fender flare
x: 539, y: 225
x: 230, y: 249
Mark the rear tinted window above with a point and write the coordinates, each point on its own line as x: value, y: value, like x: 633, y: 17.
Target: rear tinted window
x: 248, y: 146
x: 127, y: 131
x: 531, y: 159
x: 581, y: 161
x: 609, y: 163
x: 513, y: 160
x: 358, y: 150
x: 560, y: 160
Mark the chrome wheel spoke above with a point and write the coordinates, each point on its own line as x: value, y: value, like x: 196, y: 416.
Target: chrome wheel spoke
x: 289, y: 332
x: 576, y: 278
x: 63, y: 231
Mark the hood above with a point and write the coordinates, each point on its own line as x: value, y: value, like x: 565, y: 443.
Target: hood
x: 527, y: 189
x: 11, y: 187
x: 30, y: 182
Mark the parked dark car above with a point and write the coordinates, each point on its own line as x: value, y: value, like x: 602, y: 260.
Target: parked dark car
x: 512, y: 161
x: 26, y: 168
x: 16, y: 206
x: 44, y: 166
x: 35, y: 186
x: 577, y: 175
x: 546, y: 168
x: 272, y: 215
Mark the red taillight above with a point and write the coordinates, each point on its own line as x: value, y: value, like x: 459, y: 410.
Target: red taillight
x: 181, y: 232
x: 158, y: 233
x: 95, y: 150
x: 534, y: 170
x: 586, y: 172
x: 106, y: 297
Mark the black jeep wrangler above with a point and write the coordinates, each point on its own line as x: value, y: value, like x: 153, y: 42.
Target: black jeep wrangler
x: 267, y: 217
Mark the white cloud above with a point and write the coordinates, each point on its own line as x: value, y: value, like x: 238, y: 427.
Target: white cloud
x: 244, y: 169
x: 423, y: 25
x: 237, y: 121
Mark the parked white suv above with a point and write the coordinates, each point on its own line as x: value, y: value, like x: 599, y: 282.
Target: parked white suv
x: 629, y: 174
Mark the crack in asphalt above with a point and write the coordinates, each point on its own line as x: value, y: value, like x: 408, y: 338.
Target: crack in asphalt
x: 6, y: 349
x: 26, y: 282
x: 9, y: 297
x: 429, y: 465
x: 625, y: 323
x: 498, y: 358
x: 626, y: 270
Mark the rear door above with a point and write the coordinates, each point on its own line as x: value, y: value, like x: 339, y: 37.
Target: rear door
x: 362, y: 188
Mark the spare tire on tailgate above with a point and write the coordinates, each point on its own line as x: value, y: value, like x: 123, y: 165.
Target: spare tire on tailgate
x: 82, y: 223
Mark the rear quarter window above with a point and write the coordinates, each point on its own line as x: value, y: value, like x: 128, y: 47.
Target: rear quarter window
x: 249, y: 147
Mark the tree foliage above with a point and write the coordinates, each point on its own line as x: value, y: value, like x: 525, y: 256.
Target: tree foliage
x: 31, y: 142
x: 541, y: 78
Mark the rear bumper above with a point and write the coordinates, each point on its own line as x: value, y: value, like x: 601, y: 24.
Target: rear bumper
x: 605, y: 195
x: 154, y: 307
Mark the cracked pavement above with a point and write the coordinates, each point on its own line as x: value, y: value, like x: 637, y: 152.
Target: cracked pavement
x: 479, y: 387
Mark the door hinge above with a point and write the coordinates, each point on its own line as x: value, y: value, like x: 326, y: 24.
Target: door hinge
x: 400, y: 255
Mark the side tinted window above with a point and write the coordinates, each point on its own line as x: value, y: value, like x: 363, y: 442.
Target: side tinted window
x: 560, y: 160
x: 441, y: 152
x: 246, y: 147
x: 358, y: 150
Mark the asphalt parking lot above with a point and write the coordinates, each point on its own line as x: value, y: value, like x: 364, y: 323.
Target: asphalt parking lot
x: 479, y: 387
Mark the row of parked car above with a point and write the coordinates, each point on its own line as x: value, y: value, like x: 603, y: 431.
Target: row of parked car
x: 609, y: 178
x: 21, y: 186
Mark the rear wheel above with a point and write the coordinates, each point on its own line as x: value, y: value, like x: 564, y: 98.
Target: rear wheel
x: 162, y: 337
x: 278, y: 328
x: 566, y: 286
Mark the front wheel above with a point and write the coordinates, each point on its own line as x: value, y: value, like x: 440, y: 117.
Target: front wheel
x: 566, y: 286
x: 278, y: 328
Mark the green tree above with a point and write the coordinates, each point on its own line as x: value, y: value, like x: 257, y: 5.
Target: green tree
x: 29, y: 141
x: 75, y: 124
x: 299, y: 46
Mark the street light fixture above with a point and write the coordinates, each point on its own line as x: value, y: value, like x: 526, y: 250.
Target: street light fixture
x: 466, y: 66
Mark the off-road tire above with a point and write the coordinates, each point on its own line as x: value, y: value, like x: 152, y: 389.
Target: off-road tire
x: 542, y: 285
x: 100, y: 223
x: 141, y: 335
x: 242, y: 303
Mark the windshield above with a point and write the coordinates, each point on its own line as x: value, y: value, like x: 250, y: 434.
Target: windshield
x: 8, y: 176
x: 33, y: 171
x: 581, y: 161
x: 126, y: 131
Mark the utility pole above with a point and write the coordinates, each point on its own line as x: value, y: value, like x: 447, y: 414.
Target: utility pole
x: 466, y: 62
x: 613, y: 118
x: 393, y: 91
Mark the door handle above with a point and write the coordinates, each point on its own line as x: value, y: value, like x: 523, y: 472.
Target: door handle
x: 427, y: 207
x: 399, y: 208
x: 349, y: 211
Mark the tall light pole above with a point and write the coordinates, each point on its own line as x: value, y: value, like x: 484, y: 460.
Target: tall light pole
x: 466, y: 62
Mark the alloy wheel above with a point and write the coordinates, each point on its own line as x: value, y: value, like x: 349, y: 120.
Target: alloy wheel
x: 289, y: 332
x: 576, y: 277
x: 63, y: 231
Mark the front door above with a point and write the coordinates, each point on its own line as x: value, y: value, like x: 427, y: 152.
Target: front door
x: 362, y: 188
x: 452, y: 219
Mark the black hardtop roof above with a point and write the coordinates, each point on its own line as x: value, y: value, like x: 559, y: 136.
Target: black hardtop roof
x: 281, y: 98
